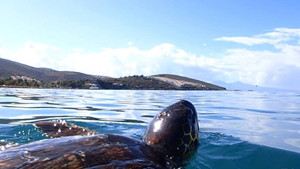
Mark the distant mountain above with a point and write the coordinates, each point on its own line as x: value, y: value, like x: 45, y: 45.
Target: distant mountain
x: 155, y: 82
x: 15, y: 70
x: 185, y: 82
x: 247, y: 87
x: 10, y: 68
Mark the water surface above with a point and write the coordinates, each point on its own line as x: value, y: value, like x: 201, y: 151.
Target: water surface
x: 238, y: 129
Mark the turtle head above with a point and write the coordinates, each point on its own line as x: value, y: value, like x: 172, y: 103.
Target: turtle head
x: 174, y: 131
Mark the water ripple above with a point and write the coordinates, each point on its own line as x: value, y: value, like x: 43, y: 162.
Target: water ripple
x: 267, y: 118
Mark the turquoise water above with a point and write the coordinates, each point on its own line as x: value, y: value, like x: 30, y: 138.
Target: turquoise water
x: 238, y: 129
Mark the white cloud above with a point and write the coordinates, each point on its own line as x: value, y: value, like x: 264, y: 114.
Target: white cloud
x: 247, y: 40
x: 126, y: 61
x: 3, y: 52
x: 288, y: 31
x: 275, y: 37
x: 265, y: 67
x: 163, y: 58
x: 130, y: 43
x: 34, y: 54
x: 278, y: 68
x: 77, y: 50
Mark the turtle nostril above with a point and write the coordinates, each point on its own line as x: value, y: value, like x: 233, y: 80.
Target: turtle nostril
x: 162, y: 114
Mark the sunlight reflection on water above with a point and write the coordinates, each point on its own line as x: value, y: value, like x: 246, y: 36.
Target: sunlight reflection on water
x: 267, y: 118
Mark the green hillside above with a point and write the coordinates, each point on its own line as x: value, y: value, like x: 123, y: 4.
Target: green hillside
x: 199, y: 85
x: 14, y: 74
x: 10, y: 68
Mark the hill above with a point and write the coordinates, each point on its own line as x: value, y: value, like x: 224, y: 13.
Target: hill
x: 10, y: 68
x: 14, y: 74
x: 186, y: 83
x: 134, y: 82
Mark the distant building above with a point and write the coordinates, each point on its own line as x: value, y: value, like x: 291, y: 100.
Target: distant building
x: 92, y: 86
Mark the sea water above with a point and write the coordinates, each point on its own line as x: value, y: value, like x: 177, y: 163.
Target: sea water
x: 238, y: 129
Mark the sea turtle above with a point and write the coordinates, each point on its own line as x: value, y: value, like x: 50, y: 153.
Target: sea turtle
x: 171, y: 138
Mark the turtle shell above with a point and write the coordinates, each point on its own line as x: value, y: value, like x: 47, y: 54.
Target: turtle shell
x: 99, y: 151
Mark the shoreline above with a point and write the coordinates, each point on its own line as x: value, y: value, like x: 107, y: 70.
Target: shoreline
x: 25, y: 87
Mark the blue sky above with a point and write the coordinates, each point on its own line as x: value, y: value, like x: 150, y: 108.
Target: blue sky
x: 255, y: 42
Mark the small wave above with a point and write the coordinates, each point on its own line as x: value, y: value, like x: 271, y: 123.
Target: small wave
x: 222, y: 152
